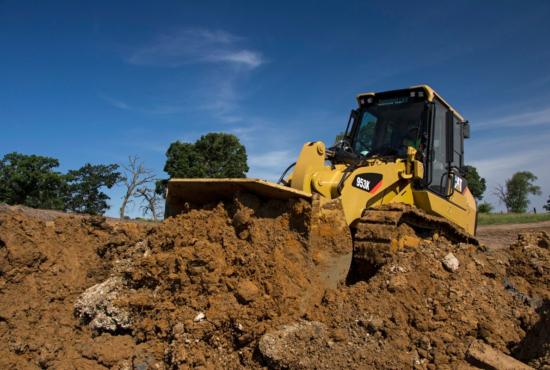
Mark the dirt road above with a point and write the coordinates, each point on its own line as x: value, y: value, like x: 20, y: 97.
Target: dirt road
x: 499, y: 236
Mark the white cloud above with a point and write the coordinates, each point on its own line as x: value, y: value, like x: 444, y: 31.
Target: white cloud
x: 219, y: 92
x: 115, y: 102
x: 249, y: 58
x: 158, y: 109
x: 532, y: 118
x: 499, y: 157
x: 276, y: 158
x: 192, y: 45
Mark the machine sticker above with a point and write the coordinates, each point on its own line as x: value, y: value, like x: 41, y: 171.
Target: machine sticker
x: 370, y: 182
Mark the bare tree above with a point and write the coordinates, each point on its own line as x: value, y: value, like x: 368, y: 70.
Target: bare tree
x: 135, y: 176
x: 152, y: 202
x: 501, y: 195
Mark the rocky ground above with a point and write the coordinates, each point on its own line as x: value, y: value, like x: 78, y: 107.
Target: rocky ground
x: 228, y: 287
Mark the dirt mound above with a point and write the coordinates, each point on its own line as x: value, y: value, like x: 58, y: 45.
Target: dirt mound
x: 205, y: 285
x: 237, y: 285
x: 415, y: 312
x: 420, y: 311
x: 529, y: 279
x: 46, y: 262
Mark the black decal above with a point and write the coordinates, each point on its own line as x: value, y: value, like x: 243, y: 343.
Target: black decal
x: 370, y: 182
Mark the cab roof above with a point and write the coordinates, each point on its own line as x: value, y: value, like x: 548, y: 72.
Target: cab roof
x: 430, y: 95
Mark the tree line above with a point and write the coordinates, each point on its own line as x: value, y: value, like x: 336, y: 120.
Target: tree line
x: 35, y: 181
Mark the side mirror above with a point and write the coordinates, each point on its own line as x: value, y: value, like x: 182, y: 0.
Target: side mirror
x: 466, y: 130
x: 449, y: 123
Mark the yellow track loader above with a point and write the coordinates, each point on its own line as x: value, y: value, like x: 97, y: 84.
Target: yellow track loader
x: 393, y: 178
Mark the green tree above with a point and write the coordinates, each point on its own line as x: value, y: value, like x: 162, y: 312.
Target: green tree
x: 183, y: 160
x: 547, y: 205
x: 476, y: 183
x: 84, y: 188
x: 32, y: 181
x: 485, y: 207
x: 515, y: 194
x: 222, y: 155
x: 215, y: 155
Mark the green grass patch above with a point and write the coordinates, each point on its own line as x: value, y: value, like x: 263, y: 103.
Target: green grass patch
x: 511, y: 218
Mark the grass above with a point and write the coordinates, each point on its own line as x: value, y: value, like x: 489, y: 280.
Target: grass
x: 511, y: 218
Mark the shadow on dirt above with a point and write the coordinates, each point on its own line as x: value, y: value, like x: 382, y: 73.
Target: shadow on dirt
x: 536, y: 343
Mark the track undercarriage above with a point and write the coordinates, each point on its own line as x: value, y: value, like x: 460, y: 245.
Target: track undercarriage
x: 382, y: 232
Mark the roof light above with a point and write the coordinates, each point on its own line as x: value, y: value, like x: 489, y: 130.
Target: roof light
x: 413, y: 94
x: 362, y: 101
x: 369, y: 100
x: 421, y: 94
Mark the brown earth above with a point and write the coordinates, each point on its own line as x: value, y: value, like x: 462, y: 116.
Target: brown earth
x: 499, y: 236
x: 228, y: 287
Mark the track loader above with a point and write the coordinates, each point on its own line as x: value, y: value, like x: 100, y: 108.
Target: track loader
x: 394, y: 178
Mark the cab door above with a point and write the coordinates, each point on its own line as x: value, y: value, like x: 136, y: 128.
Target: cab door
x: 446, y: 193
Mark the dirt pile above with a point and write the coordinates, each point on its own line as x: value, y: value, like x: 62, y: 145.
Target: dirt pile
x: 237, y: 285
x: 416, y: 312
x: 205, y: 285
x: 46, y: 262
x: 529, y: 280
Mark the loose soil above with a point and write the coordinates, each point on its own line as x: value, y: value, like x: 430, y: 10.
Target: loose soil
x: 237, y: 285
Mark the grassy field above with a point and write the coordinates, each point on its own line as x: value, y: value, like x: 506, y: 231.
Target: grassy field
x: 511, y: 218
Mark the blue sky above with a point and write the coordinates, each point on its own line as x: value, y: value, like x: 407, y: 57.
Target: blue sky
x: 98, y: 81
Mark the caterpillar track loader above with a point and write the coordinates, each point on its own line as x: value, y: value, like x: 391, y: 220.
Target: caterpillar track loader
x: 394, y: 178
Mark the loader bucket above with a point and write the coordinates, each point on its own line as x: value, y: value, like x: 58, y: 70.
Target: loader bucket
x: 330, y: 242
x: 198, y: 192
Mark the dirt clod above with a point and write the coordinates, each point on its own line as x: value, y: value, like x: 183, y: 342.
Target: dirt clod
x: 247, y: 291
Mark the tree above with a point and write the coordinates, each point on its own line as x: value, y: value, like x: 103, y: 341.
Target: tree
x: 135, y: 176
x: 222, y: 155
x: 476, y: 183
x: 515, y: 193
x: 32, y: 181
x: 84, y: 194
x: 215, y: 155
x: 547, y: 205
x: 485, y: 207
x: 183, y: 160
x: 152, y: 202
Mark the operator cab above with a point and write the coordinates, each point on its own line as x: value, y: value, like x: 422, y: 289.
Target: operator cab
x: 387, y: 123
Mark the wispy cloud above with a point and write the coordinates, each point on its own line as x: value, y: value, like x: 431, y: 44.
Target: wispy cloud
x: 246, y: 57
x: 196, y: 45
x: 221, y: 97
x: 499, y: 157
x: 226, y: 64
x: 115, y: 102
x: 269, y: 165
x: 531, y: 118
x: 159, y: 109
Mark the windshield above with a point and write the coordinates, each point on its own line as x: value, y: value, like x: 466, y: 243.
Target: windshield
x: 388, y: 129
